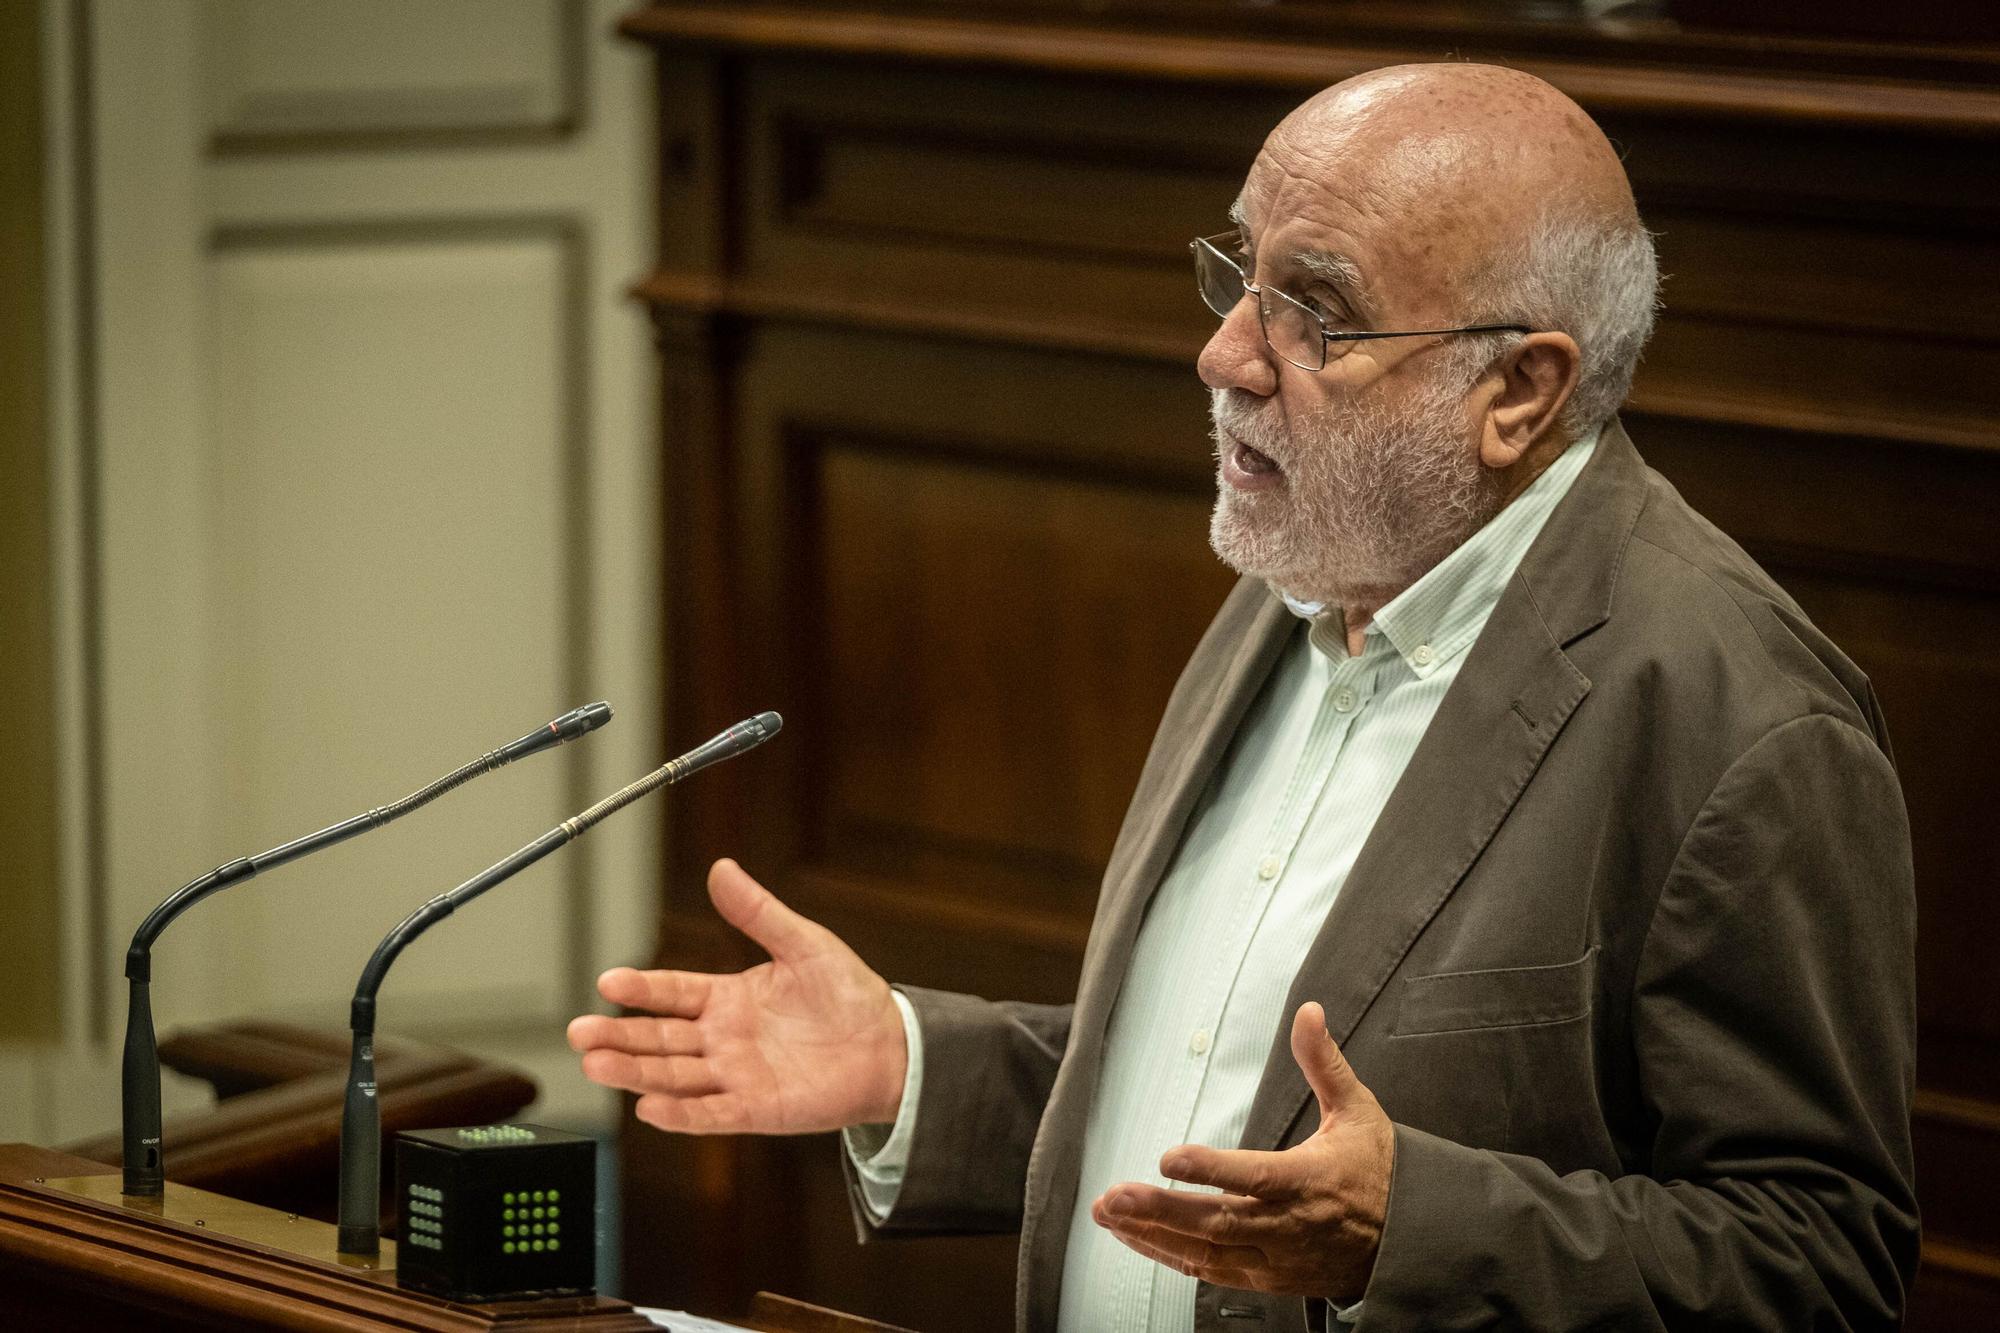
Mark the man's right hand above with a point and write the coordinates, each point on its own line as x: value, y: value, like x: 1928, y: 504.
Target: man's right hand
x: 807, y: 1042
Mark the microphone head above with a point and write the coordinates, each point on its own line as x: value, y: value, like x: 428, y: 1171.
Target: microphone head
x: 579, y: 721
x: 576, y: 722
x: 748, y: 734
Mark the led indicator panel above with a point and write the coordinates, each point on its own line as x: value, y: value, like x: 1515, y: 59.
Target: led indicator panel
x: 494, y: 1212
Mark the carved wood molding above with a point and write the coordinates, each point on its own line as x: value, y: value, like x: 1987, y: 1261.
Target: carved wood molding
x: 1605, y: 76
x: 694, y: 293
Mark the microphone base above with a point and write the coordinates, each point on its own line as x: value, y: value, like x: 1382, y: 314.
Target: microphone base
x: 143, y: 1185
x: 359, y: 1242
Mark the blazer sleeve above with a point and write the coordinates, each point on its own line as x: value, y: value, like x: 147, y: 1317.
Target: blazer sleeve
x: 988, y: 1068
x: 1773, y: 1022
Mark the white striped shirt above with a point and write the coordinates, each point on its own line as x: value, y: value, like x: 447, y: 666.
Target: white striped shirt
x: 1265, y: 853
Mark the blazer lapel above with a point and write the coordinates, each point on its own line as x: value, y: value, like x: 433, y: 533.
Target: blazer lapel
x: 1511, y: 700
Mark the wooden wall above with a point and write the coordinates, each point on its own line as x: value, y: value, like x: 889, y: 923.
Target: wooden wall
x: 939, y: 478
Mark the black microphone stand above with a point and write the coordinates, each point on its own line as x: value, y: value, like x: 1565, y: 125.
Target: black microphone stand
x: 361, y: 1115
x: 144, y: 1158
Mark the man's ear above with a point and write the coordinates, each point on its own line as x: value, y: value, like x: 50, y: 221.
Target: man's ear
x: 1529, y: 387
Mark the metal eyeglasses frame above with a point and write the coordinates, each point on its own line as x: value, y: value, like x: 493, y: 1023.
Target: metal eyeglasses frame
x: 1326, y: 335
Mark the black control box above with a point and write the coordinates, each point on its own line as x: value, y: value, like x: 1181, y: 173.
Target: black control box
x: 496, y: 1212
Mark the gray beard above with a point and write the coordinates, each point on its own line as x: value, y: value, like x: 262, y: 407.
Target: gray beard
x: 1373, y: 497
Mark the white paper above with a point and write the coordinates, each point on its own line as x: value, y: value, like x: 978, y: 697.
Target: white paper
x: 680, y: 1321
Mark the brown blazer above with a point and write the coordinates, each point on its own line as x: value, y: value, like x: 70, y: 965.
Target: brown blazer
x: 1627, y: 958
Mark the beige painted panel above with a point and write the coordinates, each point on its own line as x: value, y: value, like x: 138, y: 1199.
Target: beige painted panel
x: 151, y: 664
x: 392, y: 453
x: 30, y: 952
x: 369, y: 67
x: 146, y: 335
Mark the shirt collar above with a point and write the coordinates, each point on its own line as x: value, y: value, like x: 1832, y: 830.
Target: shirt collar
x: 1438, y: 616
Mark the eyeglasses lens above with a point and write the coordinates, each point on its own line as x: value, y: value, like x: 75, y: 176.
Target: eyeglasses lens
x: 1220, y: 280
x: 1291, y: 330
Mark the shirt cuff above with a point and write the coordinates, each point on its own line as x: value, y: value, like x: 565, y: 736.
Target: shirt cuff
x: 881, y: 1153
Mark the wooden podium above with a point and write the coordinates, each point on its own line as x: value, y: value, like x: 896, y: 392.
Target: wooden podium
x: 73, y: 1256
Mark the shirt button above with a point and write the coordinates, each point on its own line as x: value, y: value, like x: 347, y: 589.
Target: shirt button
x: 1423, y: 656
x: 1198, y: 1043
x: 1269, y: 867
x: 1343, y: 702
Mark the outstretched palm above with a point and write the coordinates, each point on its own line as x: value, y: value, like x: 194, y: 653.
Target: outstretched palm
x: 809, y: 1041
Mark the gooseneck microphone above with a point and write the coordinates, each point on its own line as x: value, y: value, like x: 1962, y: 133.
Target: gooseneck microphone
x: 361, y: 1117
x: 145, y: 1165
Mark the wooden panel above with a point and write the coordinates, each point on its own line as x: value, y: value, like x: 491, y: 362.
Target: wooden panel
x: 972, y: 736
x: 980, y: 203
x: 967, y: 739
x: 983, y: 612
x: 924, y: 280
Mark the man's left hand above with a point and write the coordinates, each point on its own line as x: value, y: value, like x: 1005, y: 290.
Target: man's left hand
x: 1302, y: 1222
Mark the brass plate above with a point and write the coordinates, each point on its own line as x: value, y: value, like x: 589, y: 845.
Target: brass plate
x: 220, y: 1215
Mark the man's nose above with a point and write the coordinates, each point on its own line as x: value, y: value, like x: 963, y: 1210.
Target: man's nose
x: 1237, y: 357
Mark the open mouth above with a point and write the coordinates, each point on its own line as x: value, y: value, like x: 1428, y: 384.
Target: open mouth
x: 1243, y: 466
x: 1252, y: 462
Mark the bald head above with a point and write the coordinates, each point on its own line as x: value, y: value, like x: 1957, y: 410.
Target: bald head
x: 1457, y: 162
x: 1475, y: 137
x: 1463, y: 193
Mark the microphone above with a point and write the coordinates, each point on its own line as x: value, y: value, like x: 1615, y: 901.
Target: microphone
x: 145, y: 1165
x: 361, y: 1116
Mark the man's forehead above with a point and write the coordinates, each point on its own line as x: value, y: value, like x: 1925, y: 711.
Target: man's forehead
x: 1298, y: 211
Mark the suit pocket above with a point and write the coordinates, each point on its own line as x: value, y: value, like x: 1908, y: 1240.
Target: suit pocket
x: 1497, y: 997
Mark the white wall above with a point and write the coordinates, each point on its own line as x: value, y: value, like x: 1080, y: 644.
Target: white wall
x: 355, y: 425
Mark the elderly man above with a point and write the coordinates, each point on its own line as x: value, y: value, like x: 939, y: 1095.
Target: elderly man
x: 1513, y: 924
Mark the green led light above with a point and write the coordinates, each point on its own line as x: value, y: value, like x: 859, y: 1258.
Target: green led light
x: 506, y: 1214
x: 540, y: 1195
x: 540, y: 1245
x: 555, y: 1245
x: 554, y: 1195
x: 554, y: 1227
x: 508, y: 1197
x: 507, y: 1248
x: 555, y: 1212
x: 541, y: 1212
x: 506, y: 1231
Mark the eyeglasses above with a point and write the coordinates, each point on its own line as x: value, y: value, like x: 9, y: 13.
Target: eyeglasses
x: 1294, y: 331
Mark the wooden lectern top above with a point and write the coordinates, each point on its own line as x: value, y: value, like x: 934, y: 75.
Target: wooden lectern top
x: 69, y: 1261
x: 75, y: 1257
